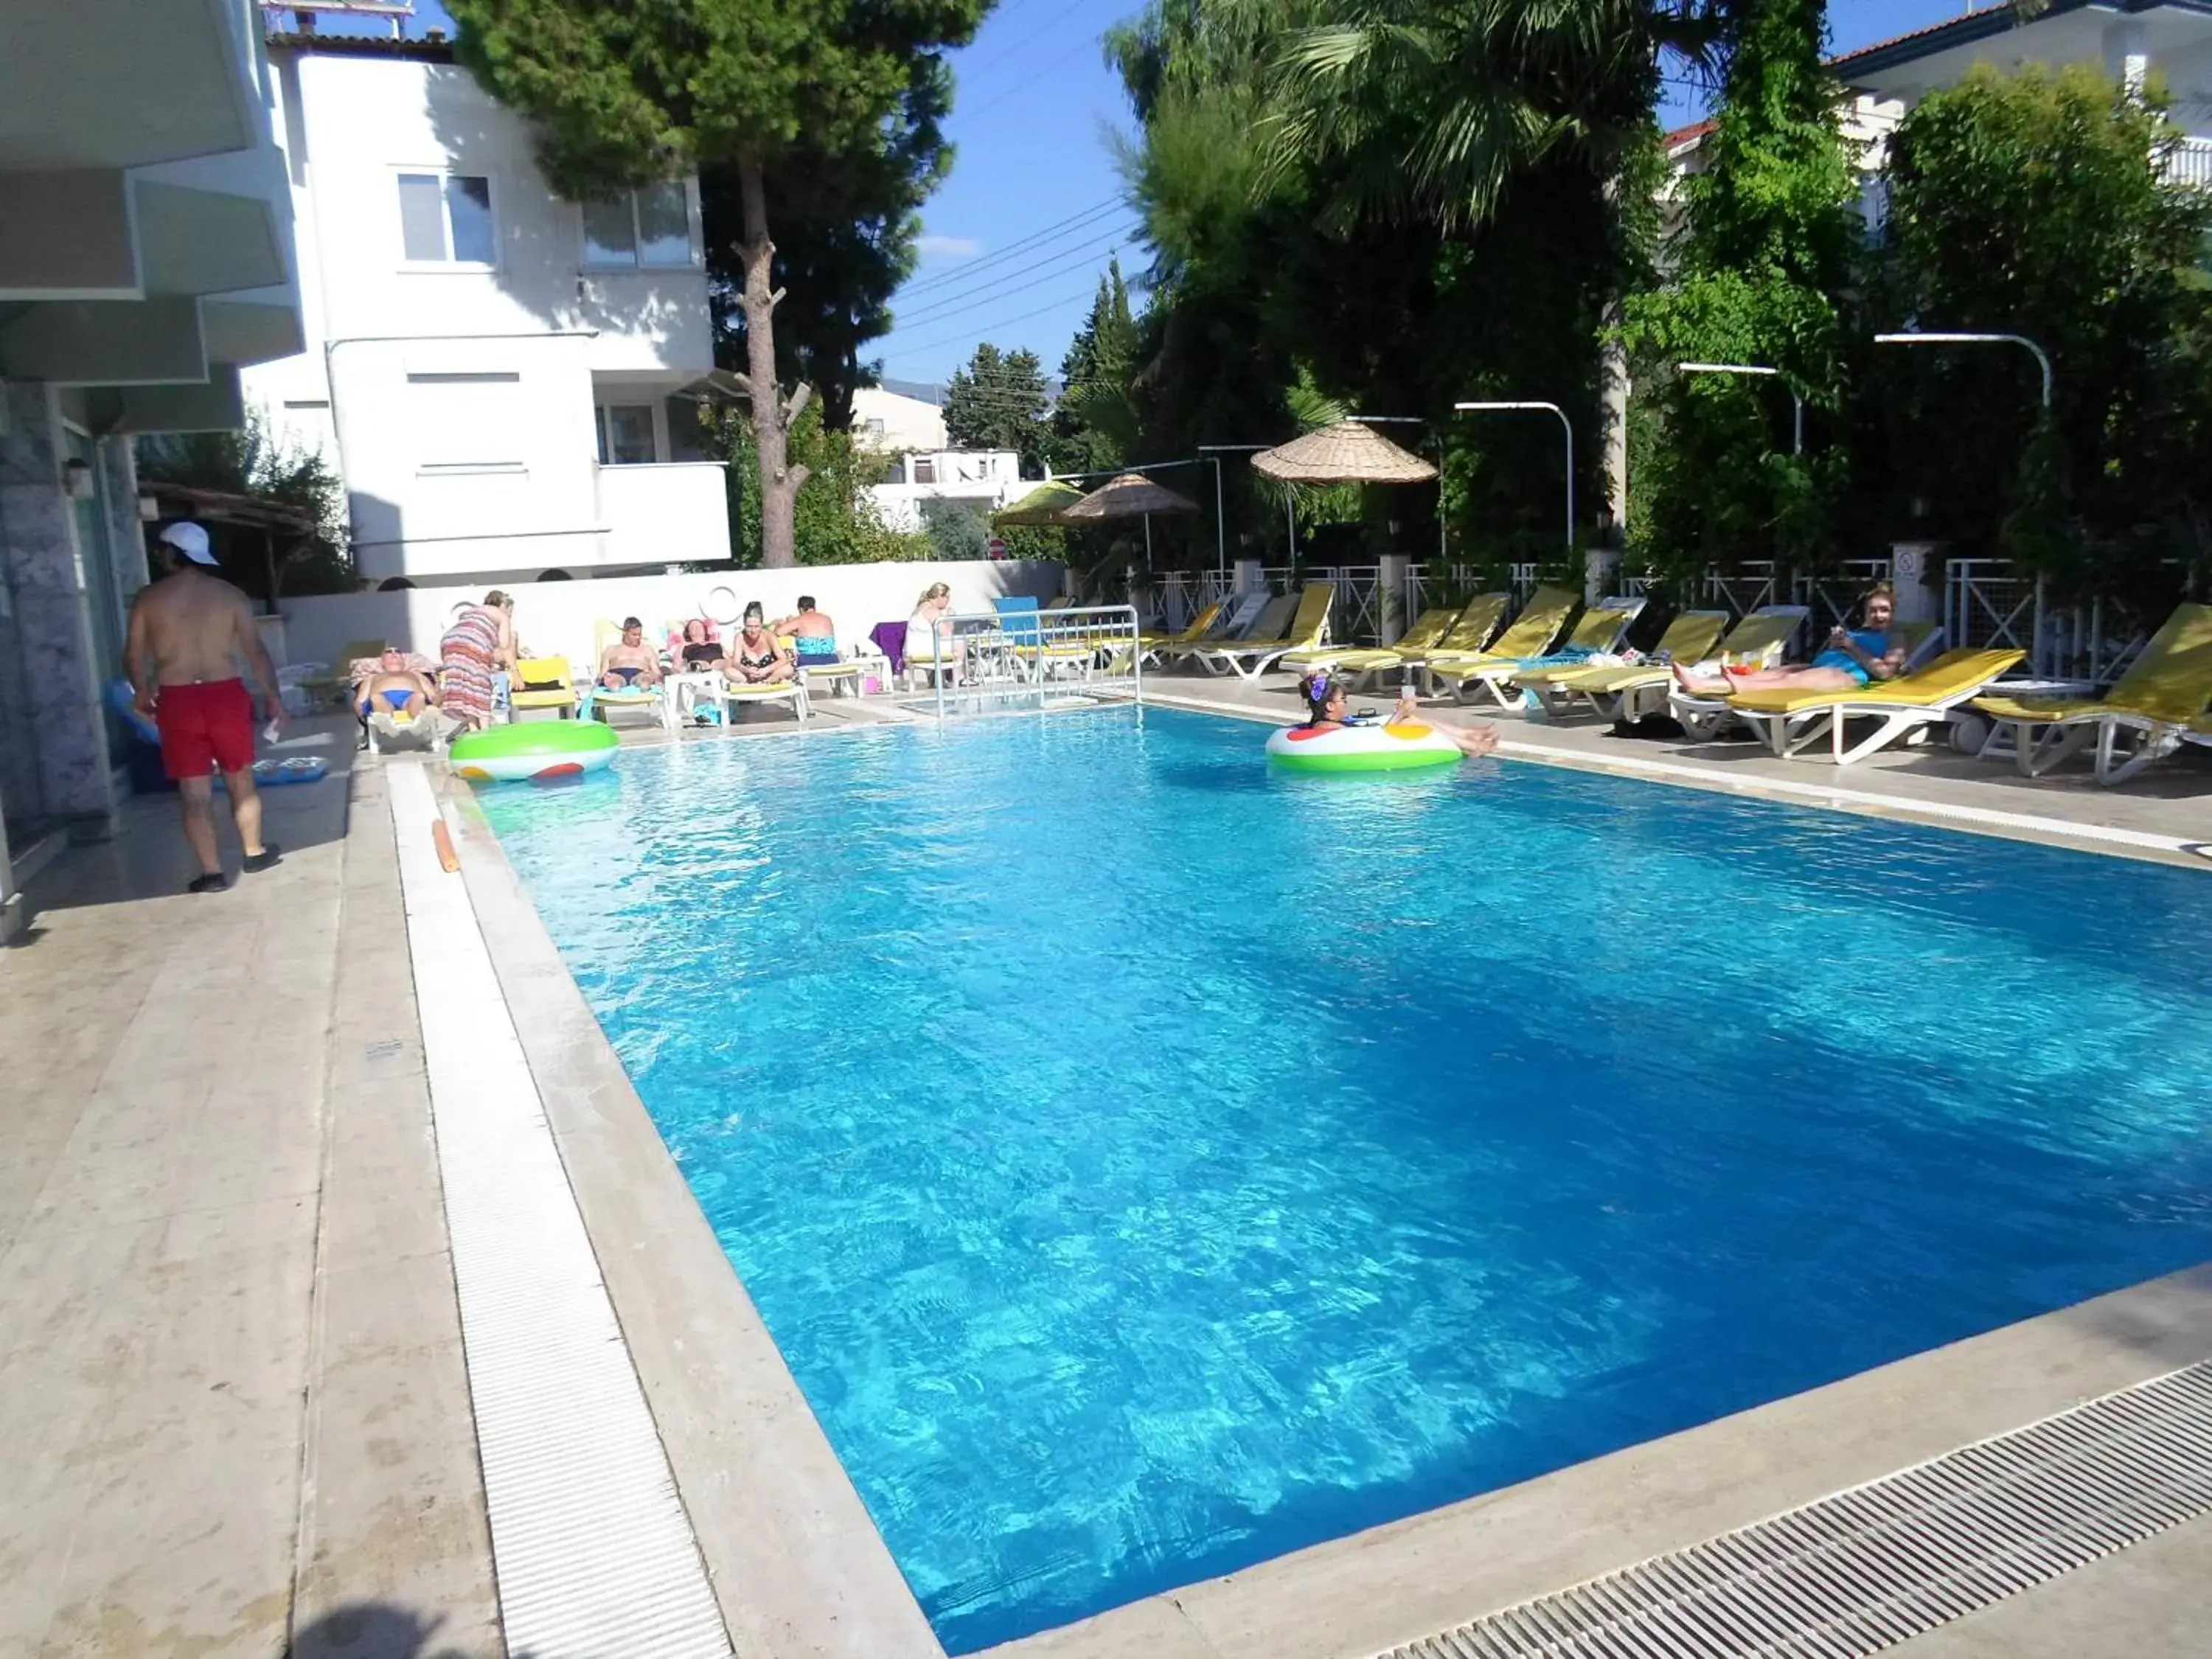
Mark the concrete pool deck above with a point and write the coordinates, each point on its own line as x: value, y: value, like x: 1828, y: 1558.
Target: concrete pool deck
x: 234, y: 1392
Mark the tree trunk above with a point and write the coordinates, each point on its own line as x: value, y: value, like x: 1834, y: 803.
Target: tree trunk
x: 772, y: 414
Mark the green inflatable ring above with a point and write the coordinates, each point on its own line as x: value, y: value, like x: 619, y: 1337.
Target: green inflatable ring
x: 535, y: 751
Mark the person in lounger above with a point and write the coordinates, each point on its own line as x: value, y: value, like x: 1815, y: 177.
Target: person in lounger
x: 760, y: 657
x: 629, y: 661
x: 392, y: 688
x: 1325, y: 712
x: 699, y: 650
x: 1875, y: 652
x: 812, y: 632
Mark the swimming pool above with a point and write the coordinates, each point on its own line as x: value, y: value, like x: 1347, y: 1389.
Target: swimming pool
x: 1149, y: 1164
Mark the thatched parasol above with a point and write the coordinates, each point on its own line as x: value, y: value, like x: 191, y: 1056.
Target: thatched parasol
x: 1347, y: 453
x: 1042, y: 506
x: 1131, y: 496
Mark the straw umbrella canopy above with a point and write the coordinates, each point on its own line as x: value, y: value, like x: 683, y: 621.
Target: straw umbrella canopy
x: 1042, y: 506
x: 1347, y: 452
x: 1132, y: 495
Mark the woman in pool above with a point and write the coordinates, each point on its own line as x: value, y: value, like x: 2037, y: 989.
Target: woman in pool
x: 760, y: 657
x: 1875, y: 652
x: 1326, y: 712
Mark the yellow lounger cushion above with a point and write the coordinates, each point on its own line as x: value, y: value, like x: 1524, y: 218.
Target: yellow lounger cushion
x: 2170, y: 683
x: 1952, y: 677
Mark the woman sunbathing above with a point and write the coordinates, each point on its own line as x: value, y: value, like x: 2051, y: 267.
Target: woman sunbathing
x: 1875, y: 652
x: 1325, y: 710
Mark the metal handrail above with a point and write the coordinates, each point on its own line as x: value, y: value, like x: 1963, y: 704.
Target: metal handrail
x: 1010, y: 656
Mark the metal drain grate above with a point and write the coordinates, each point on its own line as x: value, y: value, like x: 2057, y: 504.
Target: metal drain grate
x: 1874, y: 1565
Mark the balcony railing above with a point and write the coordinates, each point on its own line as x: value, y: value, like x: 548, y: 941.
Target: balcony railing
x: 2190, y: 162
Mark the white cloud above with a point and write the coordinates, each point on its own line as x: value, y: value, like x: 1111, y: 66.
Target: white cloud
x: 948, y: 247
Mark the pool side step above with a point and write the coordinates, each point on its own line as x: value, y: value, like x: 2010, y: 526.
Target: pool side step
x: 1865, y: 1569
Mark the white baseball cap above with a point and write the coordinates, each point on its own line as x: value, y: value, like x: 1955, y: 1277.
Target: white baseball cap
x: 189, y: 540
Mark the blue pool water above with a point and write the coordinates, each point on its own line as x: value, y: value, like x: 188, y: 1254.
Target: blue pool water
x: 1149, y: 1164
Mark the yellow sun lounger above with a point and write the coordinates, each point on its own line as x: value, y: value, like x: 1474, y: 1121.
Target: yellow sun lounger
x: 1249, y: 658
x: 1253, y: 615
x: 1760, y: 637
x: 1201, y: 628
x: 1531, y: 635
x: 1617, y: 693
x: 1704, y: 716
x: 1429, y: 629
x: 2154, y: 707
x: 1602, y: 628
x: 1787, y: 720
x: 1466, y: 637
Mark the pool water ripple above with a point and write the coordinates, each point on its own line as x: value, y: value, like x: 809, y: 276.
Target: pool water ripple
x: 1148, y: 1165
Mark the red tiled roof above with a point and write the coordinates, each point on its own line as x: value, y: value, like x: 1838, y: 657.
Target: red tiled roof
x: 1971, y: 15
x: 1689, y: 135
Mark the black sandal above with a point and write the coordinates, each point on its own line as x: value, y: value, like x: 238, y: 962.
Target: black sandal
x: 266, y: 859
x: 214, y: 884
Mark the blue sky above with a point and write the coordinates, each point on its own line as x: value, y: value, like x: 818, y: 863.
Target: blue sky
x: 1017, y: 239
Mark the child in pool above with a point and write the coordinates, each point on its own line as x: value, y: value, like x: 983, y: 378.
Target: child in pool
x: 1325, y: 709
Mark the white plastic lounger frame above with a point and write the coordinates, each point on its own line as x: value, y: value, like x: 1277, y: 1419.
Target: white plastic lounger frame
x: 2125, y: 742
x: 1703, y: 719
x: 1497, y: 676
x: 1790, y: 732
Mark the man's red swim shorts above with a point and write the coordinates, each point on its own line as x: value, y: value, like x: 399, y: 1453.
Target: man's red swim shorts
x: 203, y: 726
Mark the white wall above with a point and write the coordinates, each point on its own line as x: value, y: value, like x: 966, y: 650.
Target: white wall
x: 676, y: 513
x: 908, y: 422
x: 460, y: 400
x: 559, y: 618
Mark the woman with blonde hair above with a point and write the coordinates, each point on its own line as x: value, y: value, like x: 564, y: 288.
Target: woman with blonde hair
x: 476, y: 649
x: 929, y: 642
x: 1875, y: 652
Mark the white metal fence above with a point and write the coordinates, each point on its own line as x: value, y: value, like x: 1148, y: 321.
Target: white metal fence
x: 984, y: 662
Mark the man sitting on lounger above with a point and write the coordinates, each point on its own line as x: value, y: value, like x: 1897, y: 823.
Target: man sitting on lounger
x: 392, y: 688
x: 629, y: 661
x: 1853, y: 659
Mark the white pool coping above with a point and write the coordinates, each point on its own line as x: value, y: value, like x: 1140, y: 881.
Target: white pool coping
x: 591, y: 1548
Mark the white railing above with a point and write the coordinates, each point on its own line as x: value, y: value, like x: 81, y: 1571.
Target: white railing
x: 1986, y: 603
x: 1834, y: 601
x: 988, y: 661
x: 2190, y: 162
x: 1356, y: 615
x: 1746, y: 588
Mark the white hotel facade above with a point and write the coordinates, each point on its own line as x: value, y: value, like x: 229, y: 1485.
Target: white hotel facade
x: 508, y: 383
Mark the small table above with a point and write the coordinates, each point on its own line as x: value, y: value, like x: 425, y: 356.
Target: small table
x: 680, y: 694
x: 1998, y: 745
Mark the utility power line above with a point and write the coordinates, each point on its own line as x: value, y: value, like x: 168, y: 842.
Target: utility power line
x: 1029, y: 80
x: 999, y: 55
x: 977, y: 333
x: 1059, y: 230
x: 968, y: 299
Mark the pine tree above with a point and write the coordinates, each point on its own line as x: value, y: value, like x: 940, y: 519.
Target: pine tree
x: 998, y: 402
x: 626, y: 92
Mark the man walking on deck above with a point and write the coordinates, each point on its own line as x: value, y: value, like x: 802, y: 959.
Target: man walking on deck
x: 189, y: 631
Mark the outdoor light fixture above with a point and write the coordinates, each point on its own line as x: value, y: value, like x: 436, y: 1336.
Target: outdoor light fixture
x: 1523, y: 403
x: 1915, y: 337
x: 1213, y: 452
x: 1797, y: 420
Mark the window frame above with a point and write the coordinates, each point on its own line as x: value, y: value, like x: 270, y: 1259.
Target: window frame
x: 636, y: 265
x: 604, y: 430
x: 442, y: 171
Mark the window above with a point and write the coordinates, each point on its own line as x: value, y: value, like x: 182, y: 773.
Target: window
x: 626, y: 435
x: 925, y: 468
x: 650, y: 228
x: 445, y: 219
x: 467, y: 422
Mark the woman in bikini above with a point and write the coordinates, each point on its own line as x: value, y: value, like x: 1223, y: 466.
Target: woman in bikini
x: 760, y: 657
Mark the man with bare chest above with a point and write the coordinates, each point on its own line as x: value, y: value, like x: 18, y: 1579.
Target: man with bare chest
x: 189, y: 632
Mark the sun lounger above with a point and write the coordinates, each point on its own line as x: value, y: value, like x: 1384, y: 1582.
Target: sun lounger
x: 1619, y: 692
x: 1470, y: 630
x: 551, y: 676
x: 1249, y: 658
x: 2148, y: 715
x: 1200, y: 626
x: 1602, y: 628
x: 1530, y: 633
x: 1788, y: 720
x: 1428, y: 631
x: 1704, y: 718
x: 1249, y: 614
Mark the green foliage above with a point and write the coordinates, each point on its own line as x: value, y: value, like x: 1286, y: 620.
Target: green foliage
x: 1095, y: 427
x: 2034, y: 205
x: 1765, y: 259
x: 835, y: 517
x: 254, y: 462
x: 954, y: 529
x: 845, y: 230
x: 624, y: 93
x: 1000, y: 402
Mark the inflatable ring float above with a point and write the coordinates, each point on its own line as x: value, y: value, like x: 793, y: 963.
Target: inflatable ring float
x: 1361, y: 749
x: 536, y: 751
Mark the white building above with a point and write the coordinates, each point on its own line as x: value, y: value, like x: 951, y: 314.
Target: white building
x: 890, y: 423
x: 506, y: 382
x: 146, y: 255
x: 982, y: 480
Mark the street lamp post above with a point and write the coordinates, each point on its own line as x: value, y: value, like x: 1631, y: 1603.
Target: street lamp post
x: 1796, y: 397
x: 1213, y: 452
x: 1915, y: 337
x: 1565, y: 425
